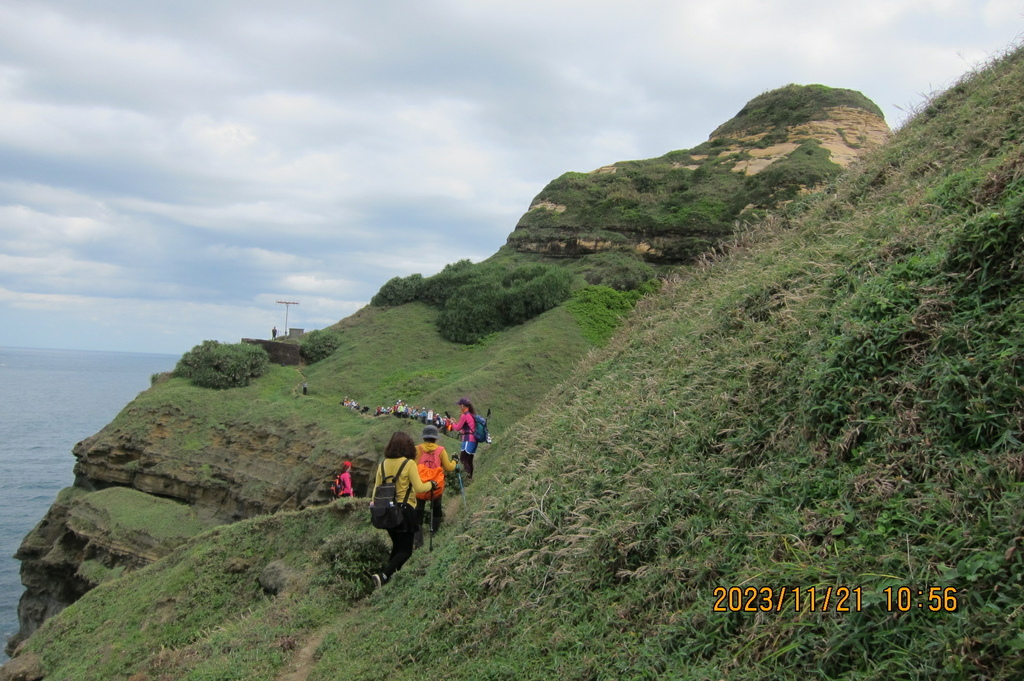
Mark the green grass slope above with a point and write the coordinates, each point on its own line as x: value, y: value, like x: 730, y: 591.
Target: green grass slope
x: 837, y: 403
x: 384, y: 356
x: 834, y: 402
x: 203, y: 612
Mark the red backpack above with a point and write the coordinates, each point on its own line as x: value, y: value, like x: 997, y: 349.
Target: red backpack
x: 429, y: 464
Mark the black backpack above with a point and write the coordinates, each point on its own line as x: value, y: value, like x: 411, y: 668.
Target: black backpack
x: 385, y: 511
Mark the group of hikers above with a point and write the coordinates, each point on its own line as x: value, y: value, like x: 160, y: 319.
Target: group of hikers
x: 443, y: 422
x: 405, y: 411
x: 354, y: 406
x: 401, y: 491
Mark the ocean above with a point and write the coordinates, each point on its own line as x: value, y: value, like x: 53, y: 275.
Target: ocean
x: 52, y: 399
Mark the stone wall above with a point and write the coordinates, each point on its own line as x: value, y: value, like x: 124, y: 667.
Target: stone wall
x: 286, y: 354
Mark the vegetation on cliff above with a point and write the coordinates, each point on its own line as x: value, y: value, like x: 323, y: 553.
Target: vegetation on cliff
x: 476, y: 300
x: 212, y: 364
x: 831, y: 399
x: 673, y: 208
x: 778, y: 110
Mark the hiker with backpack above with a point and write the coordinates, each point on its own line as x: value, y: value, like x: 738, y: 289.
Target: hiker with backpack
x: 468, y: 424
x: 433, y: 462
x: 342, y: 486
x: 397, y: 479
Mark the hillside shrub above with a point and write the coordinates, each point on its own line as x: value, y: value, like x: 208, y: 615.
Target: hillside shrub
x: 471, y: 315
x: 222, y: 365
x: 437, y: 289
x: 480, y: 299
x: 318, y: 345
x: 531, y: 290
x: 398, y: 291
x: 600, y: 309
x: 619, y: 270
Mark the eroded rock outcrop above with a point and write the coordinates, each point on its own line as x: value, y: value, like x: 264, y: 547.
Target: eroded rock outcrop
x: 671, y: 209
x: 140, y: 492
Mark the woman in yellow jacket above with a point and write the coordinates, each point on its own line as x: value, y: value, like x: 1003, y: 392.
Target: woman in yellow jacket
x: 399, y: 449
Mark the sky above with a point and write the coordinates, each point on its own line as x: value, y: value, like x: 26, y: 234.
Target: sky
x: 169, y: 170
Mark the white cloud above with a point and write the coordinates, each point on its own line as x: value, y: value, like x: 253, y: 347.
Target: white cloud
x: 1001, y: 13
x: 200, y: 160
x: 316, y: 283
x: 57, y: 266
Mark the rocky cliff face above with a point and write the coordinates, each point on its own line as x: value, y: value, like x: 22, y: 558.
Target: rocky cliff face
x: 137, y: 497
x: 671, y: 209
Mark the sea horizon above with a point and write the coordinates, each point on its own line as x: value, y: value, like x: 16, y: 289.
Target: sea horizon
x: 62, y: 396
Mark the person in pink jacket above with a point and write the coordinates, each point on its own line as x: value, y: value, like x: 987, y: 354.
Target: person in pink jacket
x: 467, y: 426
x: 342, y: 486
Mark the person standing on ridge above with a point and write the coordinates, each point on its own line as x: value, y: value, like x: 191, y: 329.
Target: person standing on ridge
x: 342, y: 486
x: 467, y: 426
x: 398, y: 450
x: 433, y: 462
x: 273, y: 333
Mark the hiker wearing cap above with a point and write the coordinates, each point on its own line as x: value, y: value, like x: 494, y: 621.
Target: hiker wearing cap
x: 467, y: 426
x: 397, y: 454
x: 433, y: 462
x: 342, y: 486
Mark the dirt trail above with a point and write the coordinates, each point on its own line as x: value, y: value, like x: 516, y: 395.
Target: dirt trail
x: 298, y: 388
x: 302, y: 663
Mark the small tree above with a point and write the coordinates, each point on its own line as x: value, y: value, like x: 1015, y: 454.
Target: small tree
x: 222, y: 365
x: 318, y: 345
x: 398, y: 291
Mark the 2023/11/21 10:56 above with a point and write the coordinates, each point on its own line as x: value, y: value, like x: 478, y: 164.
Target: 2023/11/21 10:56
x: 839, y: 599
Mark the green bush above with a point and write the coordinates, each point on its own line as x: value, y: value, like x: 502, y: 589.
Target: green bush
x: 619, y: 270
x: 318, y: 345
x: 222, y: 365
x: 471, y: 314
x: 346, y: 559
x: 436, y: 290
x: 479, y: 299
x: 398, y: 291
x: 599, y: 309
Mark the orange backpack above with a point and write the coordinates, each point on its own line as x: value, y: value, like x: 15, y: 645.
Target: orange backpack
x: 430, y: 470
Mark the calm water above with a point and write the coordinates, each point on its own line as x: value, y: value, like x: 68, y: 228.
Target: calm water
x: 50, y: 400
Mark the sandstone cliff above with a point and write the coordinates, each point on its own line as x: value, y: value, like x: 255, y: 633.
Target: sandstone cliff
x: 139, y: 493
x: 673, y: 208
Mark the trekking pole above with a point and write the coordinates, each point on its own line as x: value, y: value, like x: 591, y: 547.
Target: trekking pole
x: 431, y: 549
x: 462, y: 488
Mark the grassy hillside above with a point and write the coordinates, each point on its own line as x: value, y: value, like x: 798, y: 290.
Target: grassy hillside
x: 383, y: 356
x: 838, y: 404
x: 204, y: 611
x: 835, y: 401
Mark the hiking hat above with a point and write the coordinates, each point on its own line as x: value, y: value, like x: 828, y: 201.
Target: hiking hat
x: 430, y: 432
x: 347, y: 463
x: 463, y: 401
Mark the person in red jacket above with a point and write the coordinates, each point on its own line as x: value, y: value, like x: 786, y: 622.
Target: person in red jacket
x: 467, y: 426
